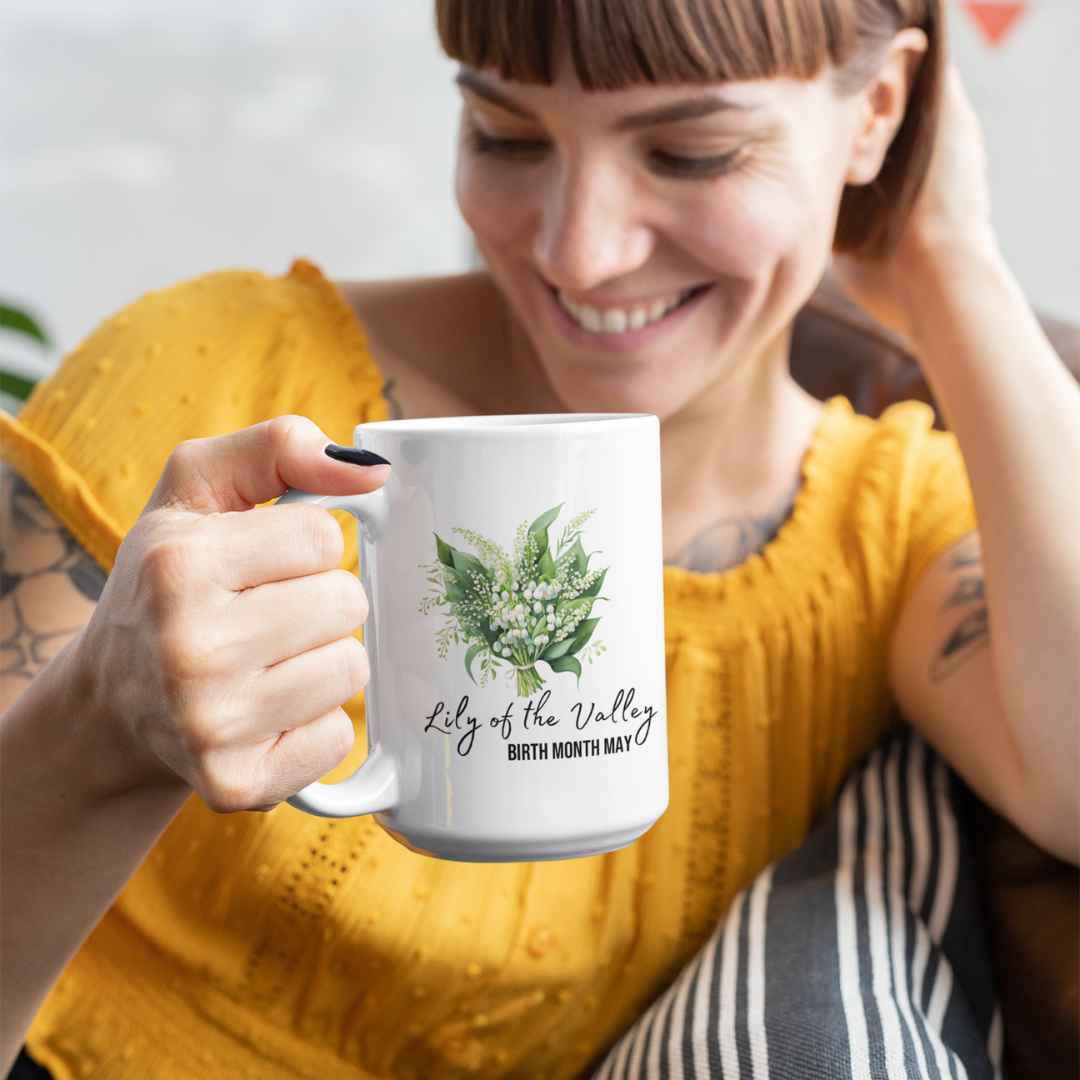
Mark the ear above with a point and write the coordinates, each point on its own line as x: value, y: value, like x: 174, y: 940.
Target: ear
x: 881, y: 104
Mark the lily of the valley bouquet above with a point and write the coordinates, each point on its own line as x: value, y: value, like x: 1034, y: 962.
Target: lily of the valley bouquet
x: 513, y: 613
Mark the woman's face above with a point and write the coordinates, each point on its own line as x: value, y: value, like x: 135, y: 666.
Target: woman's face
x: 653, y: 242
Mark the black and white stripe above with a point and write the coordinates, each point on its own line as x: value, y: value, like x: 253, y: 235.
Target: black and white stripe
x: 860, y: 955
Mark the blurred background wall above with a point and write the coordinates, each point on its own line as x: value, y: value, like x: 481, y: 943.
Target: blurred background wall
x: 144, y: 141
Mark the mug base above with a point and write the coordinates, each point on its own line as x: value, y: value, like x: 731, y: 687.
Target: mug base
x: 442, y: 845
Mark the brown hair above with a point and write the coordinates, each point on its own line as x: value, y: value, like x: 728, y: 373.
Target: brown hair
x: 619, y: 43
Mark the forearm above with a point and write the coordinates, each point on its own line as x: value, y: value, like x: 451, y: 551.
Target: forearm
x: 1015, y: 410
x: 69, y: 838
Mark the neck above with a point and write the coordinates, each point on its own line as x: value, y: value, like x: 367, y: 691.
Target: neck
x: 735, y: 444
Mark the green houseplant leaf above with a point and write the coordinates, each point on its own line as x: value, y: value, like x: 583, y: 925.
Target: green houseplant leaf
x: 22, y: 323
x: 15, y: 385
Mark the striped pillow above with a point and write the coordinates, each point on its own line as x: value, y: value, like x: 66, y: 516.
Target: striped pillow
x: 860, y: 955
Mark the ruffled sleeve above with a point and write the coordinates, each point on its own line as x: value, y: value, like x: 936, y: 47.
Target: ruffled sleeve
x: 200, y: 358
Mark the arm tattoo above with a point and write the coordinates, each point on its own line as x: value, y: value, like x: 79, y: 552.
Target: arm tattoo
x: 729, y: 541
x: 972, y: 633
x: 47, y: 581
x: 396, y: 412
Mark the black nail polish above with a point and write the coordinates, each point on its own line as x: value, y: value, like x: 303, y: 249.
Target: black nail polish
x: 354, y: 456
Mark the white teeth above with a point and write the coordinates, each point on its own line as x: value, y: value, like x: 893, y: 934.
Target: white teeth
x: 615, y: 321
x: 591, y: 319
x: 619, y: 320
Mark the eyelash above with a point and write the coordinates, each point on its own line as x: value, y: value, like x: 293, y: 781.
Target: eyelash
x: 685, y: 168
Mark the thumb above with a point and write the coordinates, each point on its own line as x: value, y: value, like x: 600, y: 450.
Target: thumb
x: 239, y: 470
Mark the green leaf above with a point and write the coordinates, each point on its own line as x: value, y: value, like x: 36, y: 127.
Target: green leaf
x: 547, y: 566
x: 594, y: 588
x: 557, y: 649
x: 444, y: 551
x: 544, y: 520
x: 584, y: 632
x: 15, y: 385
x: 566, y: 663
x: 581, y: 560
x: 470, y: 656
x: 455, y: 593
x: 581, y: 604
x: 22, y: 323
x: 538, y: 530
x: 467, y: 565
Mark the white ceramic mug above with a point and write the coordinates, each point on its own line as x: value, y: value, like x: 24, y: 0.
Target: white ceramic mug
x: 514, y: 568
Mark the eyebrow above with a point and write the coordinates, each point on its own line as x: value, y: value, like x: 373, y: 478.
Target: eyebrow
x: 690, y: 109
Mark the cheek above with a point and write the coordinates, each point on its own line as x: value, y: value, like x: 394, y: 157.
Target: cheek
x: 492, y: 206
x: 745, y: 229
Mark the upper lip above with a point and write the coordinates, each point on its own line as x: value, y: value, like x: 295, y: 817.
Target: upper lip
x: 611, y: 304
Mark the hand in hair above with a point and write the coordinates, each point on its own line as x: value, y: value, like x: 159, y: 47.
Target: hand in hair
x: 951, y: 216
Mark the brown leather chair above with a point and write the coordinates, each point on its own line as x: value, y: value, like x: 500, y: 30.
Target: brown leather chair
x: 1032, y: 899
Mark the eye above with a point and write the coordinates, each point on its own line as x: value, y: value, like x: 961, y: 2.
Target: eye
x: 513, y: 149
x: 694, y: 168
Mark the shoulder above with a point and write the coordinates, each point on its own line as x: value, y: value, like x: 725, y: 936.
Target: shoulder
x: 437, y: 339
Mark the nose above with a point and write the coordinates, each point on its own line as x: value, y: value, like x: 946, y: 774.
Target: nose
x: 591, y: 228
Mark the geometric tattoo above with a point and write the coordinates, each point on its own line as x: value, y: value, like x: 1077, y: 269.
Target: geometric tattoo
x: 48, y: 584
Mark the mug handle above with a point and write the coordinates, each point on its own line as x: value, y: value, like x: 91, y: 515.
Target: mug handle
x: 375, y: 785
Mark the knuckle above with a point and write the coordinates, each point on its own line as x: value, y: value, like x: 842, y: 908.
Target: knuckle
x: 283, y: 432
x: 167, y: 567
x: 197, y: 734
x: 183, y: 653
x: 321, y: 535
x: 225, y: 794
x: 183, y: 454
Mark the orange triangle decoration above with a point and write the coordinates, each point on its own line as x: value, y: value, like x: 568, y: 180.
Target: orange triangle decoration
x: 995, y: 20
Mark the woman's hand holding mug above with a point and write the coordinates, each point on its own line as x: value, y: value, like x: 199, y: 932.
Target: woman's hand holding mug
x: 222, y: 647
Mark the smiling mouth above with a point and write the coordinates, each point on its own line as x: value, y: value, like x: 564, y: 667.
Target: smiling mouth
x: 628, y: 319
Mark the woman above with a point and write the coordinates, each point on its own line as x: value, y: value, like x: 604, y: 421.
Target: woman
x: 656, y: 189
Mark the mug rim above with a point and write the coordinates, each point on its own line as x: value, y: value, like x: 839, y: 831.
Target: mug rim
x: 505, y: 425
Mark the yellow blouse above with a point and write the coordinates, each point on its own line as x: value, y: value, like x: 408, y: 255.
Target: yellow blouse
x: 281, y: 945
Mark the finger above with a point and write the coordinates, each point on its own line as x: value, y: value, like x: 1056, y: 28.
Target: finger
x: 305, y: 754
x: 299, y: 689
x: 255, y: 464
x: 241, y: 777
x: 271, y: 623
x: 271, y: 543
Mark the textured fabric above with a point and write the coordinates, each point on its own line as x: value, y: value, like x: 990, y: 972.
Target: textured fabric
x: 860, y: 956
x: 282, y: 945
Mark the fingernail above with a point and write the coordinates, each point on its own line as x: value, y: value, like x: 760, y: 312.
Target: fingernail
x: 354, y: 456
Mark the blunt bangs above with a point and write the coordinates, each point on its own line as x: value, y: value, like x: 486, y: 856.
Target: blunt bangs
x: 616, y: 44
